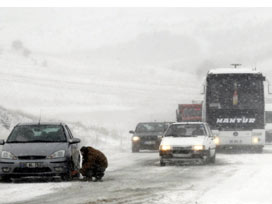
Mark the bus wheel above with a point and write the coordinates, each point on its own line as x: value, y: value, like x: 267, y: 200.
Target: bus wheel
x: 259, y: 150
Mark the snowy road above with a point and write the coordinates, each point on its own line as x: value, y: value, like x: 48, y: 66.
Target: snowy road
x: 138, y: 178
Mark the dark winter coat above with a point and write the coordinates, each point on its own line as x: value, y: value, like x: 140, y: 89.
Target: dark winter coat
x: 92, y: 159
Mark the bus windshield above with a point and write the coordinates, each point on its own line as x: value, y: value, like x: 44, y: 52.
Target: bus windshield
x: 235, y: 92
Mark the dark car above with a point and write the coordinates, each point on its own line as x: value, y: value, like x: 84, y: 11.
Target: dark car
x: 147, y: 136
x: 46, y: 149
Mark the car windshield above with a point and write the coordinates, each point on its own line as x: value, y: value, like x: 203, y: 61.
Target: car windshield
x: 185, y: 130
x: 151, y: 127
x: 37, y: 133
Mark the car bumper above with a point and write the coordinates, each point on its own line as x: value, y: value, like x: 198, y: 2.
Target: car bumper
x: 147, y: 145
x: 238, y: 147
x: 20, y: 168
x: 188, y: 156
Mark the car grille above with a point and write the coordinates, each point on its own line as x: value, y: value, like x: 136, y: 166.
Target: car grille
x: 32, y: 170
x: 182, y: 150
x: 31, y: 157
x: 149, y: 138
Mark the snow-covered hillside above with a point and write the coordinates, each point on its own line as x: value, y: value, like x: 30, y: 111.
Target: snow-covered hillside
x: 112, y: 68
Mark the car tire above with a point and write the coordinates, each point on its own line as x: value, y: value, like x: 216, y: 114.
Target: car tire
x: 135, y: 149
x: 5, y: 179
x: 207, y: 159
x: 162, y: 163
x: 213, y: 158
x: 68, y: 176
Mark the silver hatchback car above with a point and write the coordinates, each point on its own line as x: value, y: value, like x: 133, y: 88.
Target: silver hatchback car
x: 39, y: 149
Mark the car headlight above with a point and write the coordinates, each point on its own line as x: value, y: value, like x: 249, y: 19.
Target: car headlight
x: 216, y: 140
x: 57, y: 154
x: 165, y: 147
x: 135, y: 138
x: 255, y: 140
x: 198, y: 147
x: 8, y: 155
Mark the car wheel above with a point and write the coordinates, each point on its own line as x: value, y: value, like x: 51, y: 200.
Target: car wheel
x: 207, y: 159
x: 5, y: 179
x: 68, y: 176
x: 162, y: 163
x: 212, y: 159
x: 135, y: 149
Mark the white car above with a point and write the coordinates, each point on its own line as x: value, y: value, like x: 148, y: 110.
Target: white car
x: 187, y: 141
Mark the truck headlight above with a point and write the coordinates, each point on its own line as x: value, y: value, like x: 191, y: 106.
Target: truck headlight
x: 135, y: 138
x: 8, y: 155
x: 216, y: 140
x: 198, y: 147
x: 165, y: 147
x: 255, y: 140
x: 57, y: 154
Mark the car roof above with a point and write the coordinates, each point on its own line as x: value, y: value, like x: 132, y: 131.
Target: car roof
x: 190, y: 123
x: 154, y: 122
x: 40, y: 123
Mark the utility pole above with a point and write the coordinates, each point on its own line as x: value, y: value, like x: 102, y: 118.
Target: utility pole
x: 236, y: 65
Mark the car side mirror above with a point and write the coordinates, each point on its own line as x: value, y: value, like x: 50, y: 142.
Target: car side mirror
x: 74, y: 141
x: 2, y: 142
x: 160, y: 137
x: 131, y: 132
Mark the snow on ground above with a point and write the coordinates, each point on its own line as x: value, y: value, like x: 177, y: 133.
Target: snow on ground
x: 102, y: 73
x: 138, y: 178
x: 11, y: 193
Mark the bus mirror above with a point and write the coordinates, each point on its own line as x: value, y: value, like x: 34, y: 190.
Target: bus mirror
x: 269, y: 89
x: 203, y: 89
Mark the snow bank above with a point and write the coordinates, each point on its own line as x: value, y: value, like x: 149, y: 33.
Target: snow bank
x: 11, y: 193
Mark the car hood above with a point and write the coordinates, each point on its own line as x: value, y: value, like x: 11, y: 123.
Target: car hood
x: 34, y: 149
x: 183, y: 141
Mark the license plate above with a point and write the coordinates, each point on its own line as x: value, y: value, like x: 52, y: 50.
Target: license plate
x: 31, y: 165
x: 235, y: 141
x: 182, y: 155
x: 150, y: 142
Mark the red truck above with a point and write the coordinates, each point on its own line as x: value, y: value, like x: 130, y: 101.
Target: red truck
x: 189, y: 113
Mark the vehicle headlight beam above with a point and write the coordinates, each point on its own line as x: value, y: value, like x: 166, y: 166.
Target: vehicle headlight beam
x: 198, y: 147
x: 165, y: 147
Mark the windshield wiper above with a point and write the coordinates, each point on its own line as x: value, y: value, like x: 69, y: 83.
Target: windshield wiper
x: 172, y: 135
x: 37, y: 141
x: 17, y: 142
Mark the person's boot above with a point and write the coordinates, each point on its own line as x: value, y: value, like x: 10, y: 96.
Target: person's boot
x: 98, y: 179
x: 87, y: 178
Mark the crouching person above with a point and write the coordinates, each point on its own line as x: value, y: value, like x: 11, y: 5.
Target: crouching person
x: 94, y: 164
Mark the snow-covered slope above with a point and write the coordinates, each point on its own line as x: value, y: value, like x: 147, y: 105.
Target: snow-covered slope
x: 112, y: 68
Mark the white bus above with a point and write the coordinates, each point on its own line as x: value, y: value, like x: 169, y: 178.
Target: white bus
x: 234, y: 107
